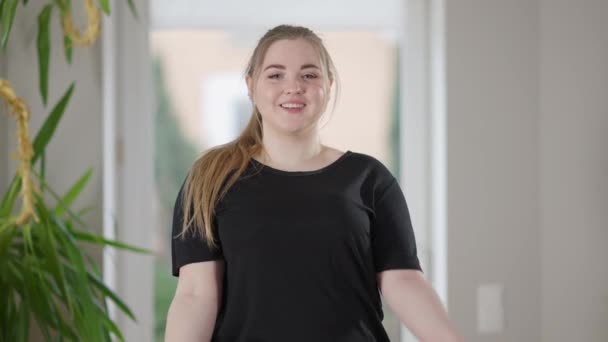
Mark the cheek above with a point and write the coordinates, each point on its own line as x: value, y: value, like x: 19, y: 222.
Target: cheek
x: 267, y: 93
x: 320, y: 93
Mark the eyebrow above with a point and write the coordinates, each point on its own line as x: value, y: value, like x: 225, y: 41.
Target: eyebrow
x: 282, y: 67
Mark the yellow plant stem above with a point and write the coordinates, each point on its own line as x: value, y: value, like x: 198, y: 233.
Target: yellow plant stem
x: 93, y: 26
x: 26, y: 152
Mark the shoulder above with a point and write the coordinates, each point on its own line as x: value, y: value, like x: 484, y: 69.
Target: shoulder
x: 372, y: 174
x: 371, y: 166
x: 364, y: 160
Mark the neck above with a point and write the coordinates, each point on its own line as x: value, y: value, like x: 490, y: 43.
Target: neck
x: 290, y: 151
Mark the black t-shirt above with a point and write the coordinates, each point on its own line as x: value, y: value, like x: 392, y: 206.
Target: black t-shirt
x: 302, y: 250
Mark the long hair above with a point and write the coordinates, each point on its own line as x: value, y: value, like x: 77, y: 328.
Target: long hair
x: 212, y: 175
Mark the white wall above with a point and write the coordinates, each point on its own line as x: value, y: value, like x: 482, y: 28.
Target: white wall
x: 136, y: 197
x: 574, y: 170
x: 527, y: 169
x: 493, y: 153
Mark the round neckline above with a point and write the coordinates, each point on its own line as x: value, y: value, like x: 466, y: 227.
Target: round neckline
x: 302, y: 173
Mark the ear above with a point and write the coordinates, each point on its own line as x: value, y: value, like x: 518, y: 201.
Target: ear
x: 331, y: 82
x: 249, y: 82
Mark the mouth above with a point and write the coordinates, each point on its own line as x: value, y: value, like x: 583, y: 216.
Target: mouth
x: 293, y: 107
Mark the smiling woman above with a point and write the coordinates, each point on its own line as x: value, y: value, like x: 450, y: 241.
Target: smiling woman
x: 279, y: 237
x: 224, y: 108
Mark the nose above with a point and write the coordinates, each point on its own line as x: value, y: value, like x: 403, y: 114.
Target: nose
x: 293, y: 87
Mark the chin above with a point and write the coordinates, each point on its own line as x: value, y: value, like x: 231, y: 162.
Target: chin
x: 287, y: 129
x: 293, y: 130
x: 283, y: 125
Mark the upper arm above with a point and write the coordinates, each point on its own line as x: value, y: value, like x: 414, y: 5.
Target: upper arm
x: 201, y: 279
x: 392, y: 234
x: 191, y: 247
x: 387, y: 278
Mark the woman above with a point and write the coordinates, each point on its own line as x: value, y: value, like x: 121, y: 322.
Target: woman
x: 288, y: 239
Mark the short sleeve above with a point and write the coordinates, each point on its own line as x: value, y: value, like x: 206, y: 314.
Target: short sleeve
x: 393, y: 241
x: 190, y: 248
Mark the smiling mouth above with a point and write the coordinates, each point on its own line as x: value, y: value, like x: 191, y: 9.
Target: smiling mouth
x: 293, y: 105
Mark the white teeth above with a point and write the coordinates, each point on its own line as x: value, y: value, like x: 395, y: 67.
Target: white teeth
x: 292, y: 105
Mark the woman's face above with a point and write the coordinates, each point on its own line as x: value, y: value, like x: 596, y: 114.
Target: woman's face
x: 290, y: 91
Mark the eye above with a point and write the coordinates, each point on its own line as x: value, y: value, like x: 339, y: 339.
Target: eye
x: 274, y: 76
x: 310, y: 76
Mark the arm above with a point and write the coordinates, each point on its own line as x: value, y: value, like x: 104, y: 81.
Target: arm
x: 416, y: 304
x: 193, y: 311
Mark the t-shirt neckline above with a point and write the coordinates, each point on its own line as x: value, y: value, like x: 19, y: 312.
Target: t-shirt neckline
x: 301, y: 173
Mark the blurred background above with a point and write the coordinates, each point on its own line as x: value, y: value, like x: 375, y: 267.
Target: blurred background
x: 492, y: 115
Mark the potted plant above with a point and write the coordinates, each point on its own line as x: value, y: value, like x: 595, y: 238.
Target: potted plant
x: 47, y: 278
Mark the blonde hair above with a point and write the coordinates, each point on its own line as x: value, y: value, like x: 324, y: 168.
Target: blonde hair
x: 212, y: 175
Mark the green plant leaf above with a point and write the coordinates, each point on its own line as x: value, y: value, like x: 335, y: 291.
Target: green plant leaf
x: 111, y: 295
x: 15, y: 273
x: 1, y: 7
x: 11, y: 318
x: 72, y: 193
x: 78, y: 279
x: 6, y: 305
x: 53, y: 316
x: 7, y: 233
x: 51, y: 255
x: 44, y: 49
x: 49, y: 244
x: 94, y: 268
x: 8, y: 202
x: 67, y: 49
x: 39, y: 292
x: 58, y: 199
x: 42, y: 168
x: 64, y: 330
x: 90, y: 321
x: 50, y: 124
x: 105, y: 6
x: 98, y: 240
x: 107, y: 322
x: 64, y: 6
x: 9, y: 8
x: 44, y: 329
x: 83, y: 211
x: 24, y: 321
x: 27, y: 238
x: 133, y: 8
x: 81, y: 235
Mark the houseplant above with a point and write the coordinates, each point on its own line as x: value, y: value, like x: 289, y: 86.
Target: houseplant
x: 47, y: 279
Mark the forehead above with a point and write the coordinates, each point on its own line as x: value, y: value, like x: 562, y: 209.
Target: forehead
x: 291, y: 52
